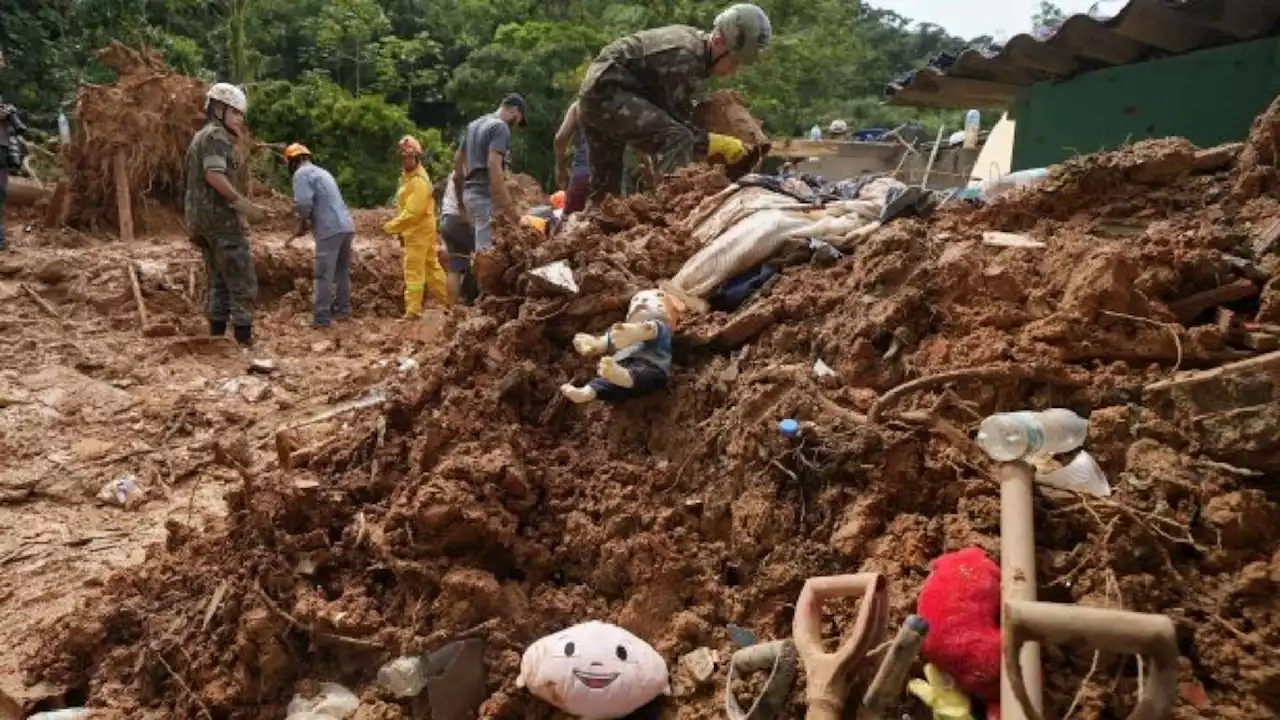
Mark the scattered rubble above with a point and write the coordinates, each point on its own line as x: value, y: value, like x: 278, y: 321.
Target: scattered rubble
x: 475, y: 502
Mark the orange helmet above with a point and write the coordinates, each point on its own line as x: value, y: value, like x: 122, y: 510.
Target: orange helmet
x: 410, y: 145
x: 295, y: 150
x: 557, y: 200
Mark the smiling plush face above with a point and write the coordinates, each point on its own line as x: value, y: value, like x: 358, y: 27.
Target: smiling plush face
x: 595, y: 670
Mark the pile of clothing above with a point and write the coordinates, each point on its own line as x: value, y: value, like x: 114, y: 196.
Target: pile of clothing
x: 761, y: 223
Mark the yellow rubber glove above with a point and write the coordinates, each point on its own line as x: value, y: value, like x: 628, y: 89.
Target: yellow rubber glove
x: 939, y: 692
x: 726, y: 146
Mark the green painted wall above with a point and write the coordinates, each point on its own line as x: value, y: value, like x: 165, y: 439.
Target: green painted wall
x: 1208, y: 97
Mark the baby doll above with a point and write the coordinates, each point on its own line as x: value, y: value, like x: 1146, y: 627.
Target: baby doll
x: 637, y: 352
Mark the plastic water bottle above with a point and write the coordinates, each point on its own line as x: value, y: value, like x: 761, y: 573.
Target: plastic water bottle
x: 1011, y: 436
x: 972, y: 121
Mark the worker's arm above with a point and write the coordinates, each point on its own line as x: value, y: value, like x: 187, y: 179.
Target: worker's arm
x: 221, y: 184
x: 216, y: 162
x: 502, y: 204
x: 417, y: 207
x: 568, y: 127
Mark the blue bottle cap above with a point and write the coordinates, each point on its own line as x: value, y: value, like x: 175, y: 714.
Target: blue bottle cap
x: 789, y: 427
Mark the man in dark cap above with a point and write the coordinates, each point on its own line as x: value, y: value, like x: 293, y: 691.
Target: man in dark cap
x: 480, y: 164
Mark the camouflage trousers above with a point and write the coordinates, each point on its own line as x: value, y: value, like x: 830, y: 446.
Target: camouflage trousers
x: 614, y: 118
x: 233, y: 284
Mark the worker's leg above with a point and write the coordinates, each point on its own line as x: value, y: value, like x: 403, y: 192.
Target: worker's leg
x: 235, y: 265
x: 416, y: 249
x: 650, y: 129
x: 435, y: 277
x: 575, y: 198
x: 605, y: 154
x: 326, y: 268
x: 218, y: 308
x: 459, y: 242
x: 342, y: 279
x: 480, y: 207
x: 4, y: 193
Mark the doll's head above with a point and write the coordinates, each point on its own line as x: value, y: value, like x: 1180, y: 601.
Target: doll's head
x: 594, y: 669
x: 654, y: 305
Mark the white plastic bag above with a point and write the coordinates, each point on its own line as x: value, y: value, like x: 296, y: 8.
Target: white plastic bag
x: 333, y: 702
x: 594, y: 670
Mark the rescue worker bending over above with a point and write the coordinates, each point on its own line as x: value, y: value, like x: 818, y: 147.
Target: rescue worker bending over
x: 640, y: 91
x: 415, y: 223
x: 318, y: 203
x: 216, y: 210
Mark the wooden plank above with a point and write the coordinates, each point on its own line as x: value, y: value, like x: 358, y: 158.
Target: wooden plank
x: 1188, y: 308
x: 124, y: 206
x: 23, y: 191
x: 59, y: 205
x: 1268, y: 364
x: 1267, y: 240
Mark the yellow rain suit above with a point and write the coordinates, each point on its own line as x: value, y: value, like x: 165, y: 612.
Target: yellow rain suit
x: 416, y: 224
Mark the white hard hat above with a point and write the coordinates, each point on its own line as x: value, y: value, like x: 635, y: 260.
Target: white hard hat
x: 839, y: 126
x: 746, y: 30
x: 228, y: 95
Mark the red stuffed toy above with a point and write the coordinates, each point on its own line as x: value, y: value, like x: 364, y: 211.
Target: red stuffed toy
x: 961, y: 602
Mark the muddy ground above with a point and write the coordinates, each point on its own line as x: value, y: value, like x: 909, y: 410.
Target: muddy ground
x: 478, y: 503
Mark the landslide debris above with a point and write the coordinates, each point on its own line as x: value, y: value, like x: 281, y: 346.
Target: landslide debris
x: 491, y: 508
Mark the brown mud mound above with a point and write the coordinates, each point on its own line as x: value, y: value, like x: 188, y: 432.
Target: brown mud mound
x: 479, y: 504
x: 625, y: 246
x: 1256, y: 174
x: 724, y: 112
x: 526, y: 192
x: 149, y: 114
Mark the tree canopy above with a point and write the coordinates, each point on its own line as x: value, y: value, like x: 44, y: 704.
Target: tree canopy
x: 348, y: 77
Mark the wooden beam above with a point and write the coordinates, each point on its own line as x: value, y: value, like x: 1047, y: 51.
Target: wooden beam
x: 55, y: 215
x: 1188, y: 308
x: 124, y: 205
x: 1268, y: 364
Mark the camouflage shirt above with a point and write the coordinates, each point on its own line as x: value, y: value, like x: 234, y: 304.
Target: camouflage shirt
x: 207, y: 212
x: 667, y: 66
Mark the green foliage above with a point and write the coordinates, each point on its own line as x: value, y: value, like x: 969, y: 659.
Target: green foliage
x: 348, y: 77
x: 1048, y: 15
x: 352, y: 137
x: 541, y: 60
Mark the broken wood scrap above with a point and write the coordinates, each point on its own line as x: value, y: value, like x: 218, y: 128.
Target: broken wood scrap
x: 1268, y: 365
x: 1189, y: 308
x: 1217, y: 157
x: 1009, y: 372
x: 137, y: 295
x: 1268, y: 240
x: 44, y: 304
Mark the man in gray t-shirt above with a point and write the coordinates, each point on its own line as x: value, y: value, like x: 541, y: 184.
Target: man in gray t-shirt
x: 479, y: 168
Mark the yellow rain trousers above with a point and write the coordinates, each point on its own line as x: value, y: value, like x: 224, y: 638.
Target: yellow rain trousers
x: 416, y: 223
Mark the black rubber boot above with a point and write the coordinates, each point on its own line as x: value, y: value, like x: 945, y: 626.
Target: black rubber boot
x: 217, y: 328
x: 244, y: 335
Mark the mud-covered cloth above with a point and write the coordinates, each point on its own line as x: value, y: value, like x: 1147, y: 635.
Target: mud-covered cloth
x: 639, y: 91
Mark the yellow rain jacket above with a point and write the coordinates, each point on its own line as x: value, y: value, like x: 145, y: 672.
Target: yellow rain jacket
x: 416, y: 224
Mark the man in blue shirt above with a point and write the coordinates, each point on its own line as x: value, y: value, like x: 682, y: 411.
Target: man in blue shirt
x: 318, y: 203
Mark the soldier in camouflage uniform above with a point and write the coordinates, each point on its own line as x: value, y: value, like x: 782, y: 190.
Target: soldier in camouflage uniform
x: 216, y: 211
x: 640, y: 91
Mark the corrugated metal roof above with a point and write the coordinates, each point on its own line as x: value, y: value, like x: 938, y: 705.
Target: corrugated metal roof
x: 1141, y: 30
